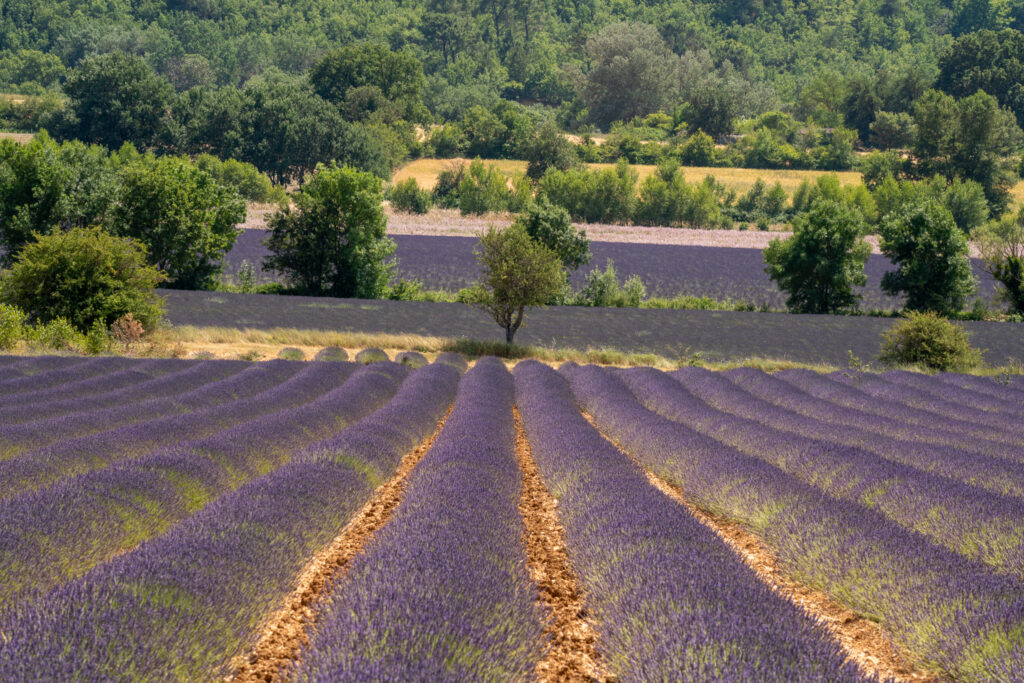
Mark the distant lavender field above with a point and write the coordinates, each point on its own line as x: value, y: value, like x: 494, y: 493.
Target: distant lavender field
x: 667, y: 270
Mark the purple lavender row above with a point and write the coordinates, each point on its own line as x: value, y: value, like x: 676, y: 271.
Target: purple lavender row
x: 671, y: 600
x: 86, y: 389
x: 50, y: 536
x: 23, y: 366
x: 181, y: 394
x: 186, y: 378
x: 978, y: 524
x: 947, y: 392
x: 951, y: 612
x: 828, y: 388
x: 290, y: 384
x: 442, y: 592
x: 858, y: 427
x: 63, y: 373
x: 878, y: 388
x: 182, y: 605
x: 1000, y: 388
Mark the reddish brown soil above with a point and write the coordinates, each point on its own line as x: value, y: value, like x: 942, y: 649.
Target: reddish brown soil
x: 573, y: 655
x: 287, y: 630
x: 862, y: 640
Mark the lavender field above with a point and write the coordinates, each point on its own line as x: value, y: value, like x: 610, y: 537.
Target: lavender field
x: 333, y: 521
x: 667, y: 269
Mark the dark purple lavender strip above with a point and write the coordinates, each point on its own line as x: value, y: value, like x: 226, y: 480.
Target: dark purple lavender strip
x: 55, y: 371
x: 442, y: 592
x: 50, y: 536
x: 978, y: 524
x: 675, y: 603
x: 951, y: 612
x: 1002, y: 388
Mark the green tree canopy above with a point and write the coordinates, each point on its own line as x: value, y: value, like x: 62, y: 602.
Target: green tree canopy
x: 116, y: 98
x: 551, y: 226
x: 992, y: 61
x: 46, y: 186
x: 373, y: 75
x: 931, y: 257
x: 84, y: 275
x: 517, y: 272
x: 185, y: 218
x: 334, y: 241
x: 821, y: 264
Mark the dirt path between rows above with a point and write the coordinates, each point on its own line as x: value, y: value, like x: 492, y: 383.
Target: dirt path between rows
x: 860, y: 638
x: 573, y: 655
x: 287, y: 630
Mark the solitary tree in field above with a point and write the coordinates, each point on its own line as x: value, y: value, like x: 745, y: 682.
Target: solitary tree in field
x: 931, y: 258
x: 334, y: 242
x: 551, y: 226
x: 823, y: 261
x: 517, y: 272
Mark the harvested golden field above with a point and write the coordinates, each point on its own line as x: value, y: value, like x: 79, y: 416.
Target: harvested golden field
x: 425, y: 171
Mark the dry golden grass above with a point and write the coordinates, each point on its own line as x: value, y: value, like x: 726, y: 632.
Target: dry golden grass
x: 425, y: 171
x: 21, y: 138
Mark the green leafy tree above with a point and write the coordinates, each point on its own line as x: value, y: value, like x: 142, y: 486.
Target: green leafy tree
x: 893, y: 130
x: 1002, y: 248
x: 930, y: 253
x: 632, y: 73
x: 548, y: 148
x: 992, y: 61
x: 186, y: 219
x: 819, y: 266
x: 46, y: 186
x: 334, y: 241
x: 517, y: 272
x: 407, y: 196
x: 116, y: 98
x: 84, y: 275
x: 363, y: 78
x: 551, y: 226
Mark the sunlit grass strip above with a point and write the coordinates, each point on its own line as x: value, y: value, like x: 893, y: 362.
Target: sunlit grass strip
x: 975, y: 523
x: 673, y: 602
x: 181, y: 606
x: 442, y: 592
x: 52, y: 535
x: 954, y: 614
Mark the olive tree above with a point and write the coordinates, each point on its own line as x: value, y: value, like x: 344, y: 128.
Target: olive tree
x: 516, y: 272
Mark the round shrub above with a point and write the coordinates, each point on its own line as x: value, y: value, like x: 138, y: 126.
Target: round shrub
x: 203, y: 355
x: 291, y: 353
x: 408, y: 197
x: 931, y: 341
x: 411, y: 358
x: 57, y: 335
x: 332, y: 353
x: 367, y: 356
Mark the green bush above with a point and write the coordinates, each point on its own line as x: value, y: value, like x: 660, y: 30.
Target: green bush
x: 665, y: 198
x: 332, y: 354
x: 97, y: 339
x: 245, y: 178
x: 551, y: 226
x: 928, y: 340
x: 603, y: 289
x: 483, y: 189
x: 56, y: 335
x: 84, y: 275
x: 446, y: 190
x: 413, y: 359
x: 602, y: 196
x: 12, y: 326
x: 291, y: 353
x: 367, y: 356
x: 407, y: 197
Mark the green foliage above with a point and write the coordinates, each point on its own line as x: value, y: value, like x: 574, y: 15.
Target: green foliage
x: 369, y: 79
x: 1002, y: 248
x: 45, y: 186
x: 828, y: 187
x: 411, y: 358
x: 29, y: 71
x: 893, y: 130
x: 602, y: 196
x: 114, y: 98
x: 602, y: 288
x: 246, y: 277
x: 697, y: 150
x: 931, y: 256
x: 483, y: 189
x: 761, y: 202
x: 516, y: 272
x: 12, y: 326
x: 965, y: 199
x: 57, y: 334
x: 551, y: 226
x: 407, y: 196
x: 986, y: 60
x: 821, y: 264
x: 548, y: 148
x: 244, y: 178
x: 405, y: 290
x: 334, y: 241
x: 83, y: 275
x: 877, y: 166
x: 672, y: 201
x: 367, y: 356
x: 332, y: 353
x: 97, y: 339
x: 446, y: 190
x: 186, y: 219
x: 930, y: 341
x: 291, y: 353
